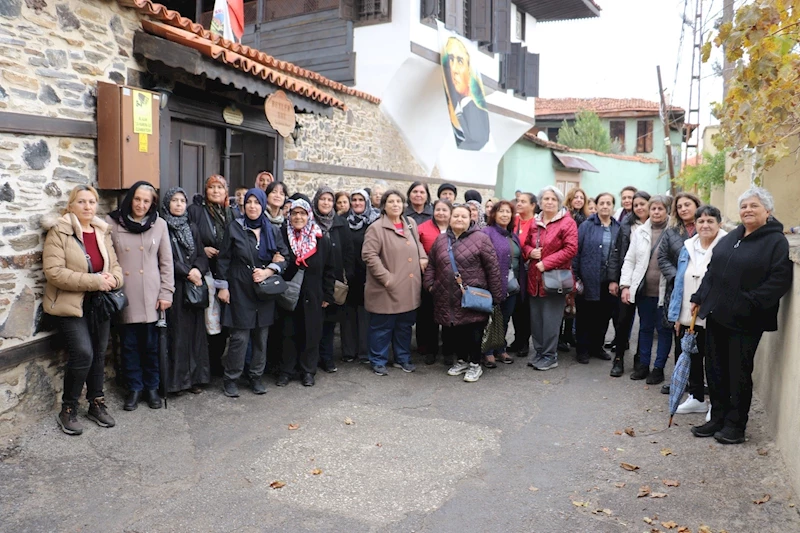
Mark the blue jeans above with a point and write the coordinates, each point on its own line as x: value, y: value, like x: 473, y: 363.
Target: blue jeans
x: 649, y: 321
x: 508, y: 309
x: 396, y: 329
x: 140, y: 356
x: 326, y: 343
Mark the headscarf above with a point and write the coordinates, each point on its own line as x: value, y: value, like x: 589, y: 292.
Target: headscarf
x: 266, y: 246
x: 122, y: 215
x: 325, y: 221
x: 368, y: 216
x: 304, y: 241
x: 481, y: 223
x: 221, y: 215
x: 178, y: 225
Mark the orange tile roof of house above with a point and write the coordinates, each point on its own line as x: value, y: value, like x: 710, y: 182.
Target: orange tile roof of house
x: 569, y: 106
x: 563, y: 148
x: 281, y: 73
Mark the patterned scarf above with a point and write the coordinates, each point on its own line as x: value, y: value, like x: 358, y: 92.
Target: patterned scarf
x: 357, y: 221
x: 304, y: 241
x: 178, y: 226
x: 481, y: 222
x: 325, y: 221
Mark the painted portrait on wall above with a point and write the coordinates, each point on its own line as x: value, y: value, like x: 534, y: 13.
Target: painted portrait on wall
x: 466, y: 99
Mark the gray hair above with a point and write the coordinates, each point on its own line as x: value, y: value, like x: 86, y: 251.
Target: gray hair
x: 763, y: 196
x: 556, y: 191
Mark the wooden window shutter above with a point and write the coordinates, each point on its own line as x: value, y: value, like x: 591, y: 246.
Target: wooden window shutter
x: 649, y: 138
x: 501, y: 26
x: 430, y: 8
x: 386, y: 8
x: 452, y: 14
x: 480, y: 21
x: 348, y: 9
x: 531, y: 87
x: 514, y: 68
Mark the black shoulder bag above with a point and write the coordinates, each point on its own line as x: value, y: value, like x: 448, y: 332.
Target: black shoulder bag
x: 114, y: 300
x: 270, y: 288
x: 194, y: 295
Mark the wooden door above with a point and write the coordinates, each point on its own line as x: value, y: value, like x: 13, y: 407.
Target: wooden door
x: 195, y: 154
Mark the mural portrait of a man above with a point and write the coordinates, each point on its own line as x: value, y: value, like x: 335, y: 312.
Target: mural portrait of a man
x: 465, y: 97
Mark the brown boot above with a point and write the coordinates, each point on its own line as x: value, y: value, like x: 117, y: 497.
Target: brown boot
x: 99, y: 413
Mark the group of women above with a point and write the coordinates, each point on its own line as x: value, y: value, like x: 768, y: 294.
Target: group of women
x: 377, y: 262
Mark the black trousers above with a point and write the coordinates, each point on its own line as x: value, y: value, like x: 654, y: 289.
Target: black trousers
x: 696, y: 385
x: 522, y: 323
x: 300, y: 343
x: 216, y: 348
x: 622, y: 328
x: 427, y: 329
x: 592, y: 321
x: 466, y: 340
x: 87, y: 355
x: 729, y: 371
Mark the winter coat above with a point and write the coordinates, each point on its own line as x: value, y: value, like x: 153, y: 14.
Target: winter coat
x: 502, y: 248
x: 668, y: 252
x: 65, y: 267
x: 746, y: 279
x: 419, y: 218
x: 626, y: 229
x: 428, y: 233
x: 146, y: 261
x: 477, y: 263
x: 355, y: 295
x: 394, y: 274
x: 559, y: 243
x: 589, y: 261
x: 637, y: 259
x: 341, y: 252
x: 693, y: 264
x: 234, y: 263
x: 317, y: 287
x: 200, y: 216
x: 188, y: 347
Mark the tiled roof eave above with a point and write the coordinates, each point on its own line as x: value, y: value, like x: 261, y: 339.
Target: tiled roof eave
x: 563, y: 148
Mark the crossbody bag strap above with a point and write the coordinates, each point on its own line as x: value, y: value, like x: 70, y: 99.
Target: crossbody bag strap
x: 86, y: 255
x: 453, y: 264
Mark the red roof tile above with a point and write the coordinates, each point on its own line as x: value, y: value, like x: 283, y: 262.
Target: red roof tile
x: 568, y: 106
x: 563, y: 148
x: 242, y: 57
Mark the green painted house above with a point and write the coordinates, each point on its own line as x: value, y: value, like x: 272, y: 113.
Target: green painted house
x: 536, y: 160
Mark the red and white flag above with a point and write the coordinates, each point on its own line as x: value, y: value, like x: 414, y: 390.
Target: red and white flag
x: 228, y: 19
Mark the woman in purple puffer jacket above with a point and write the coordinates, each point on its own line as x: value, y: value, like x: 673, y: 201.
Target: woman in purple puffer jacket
x: 508, y: 249
x: 476, y: 261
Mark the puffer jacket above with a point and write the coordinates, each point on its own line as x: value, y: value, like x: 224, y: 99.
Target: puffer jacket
x: 502, y: 247
x: 65, y: 266
x: 559, y: 243
x: 476, y: 260
x: 636, y: 262
x: 589, y: 261
x: 626, y: 229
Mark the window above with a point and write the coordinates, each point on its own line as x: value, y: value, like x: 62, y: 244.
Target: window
x: 552, y: 134
x: 617, y: 132
x: 644, y: 136
x: 374, y: 10
x: 519, y: 27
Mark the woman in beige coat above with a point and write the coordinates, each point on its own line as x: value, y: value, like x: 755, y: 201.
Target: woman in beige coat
x: 68, y: 296
x: 141, y: 239
x: 395, y: 262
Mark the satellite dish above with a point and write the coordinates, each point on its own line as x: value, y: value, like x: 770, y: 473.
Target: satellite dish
x: 542, y: 136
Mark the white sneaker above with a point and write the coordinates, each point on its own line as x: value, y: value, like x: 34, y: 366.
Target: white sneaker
x: 459, y: 368
x: 475, y: 371
x: 691, y: 406
x: 708, y: 414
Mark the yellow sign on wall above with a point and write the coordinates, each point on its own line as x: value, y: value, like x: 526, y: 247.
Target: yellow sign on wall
x: 142, y: 112
x: 142, y: 142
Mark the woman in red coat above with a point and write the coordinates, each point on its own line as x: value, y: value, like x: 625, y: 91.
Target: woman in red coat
x: 551, y: 244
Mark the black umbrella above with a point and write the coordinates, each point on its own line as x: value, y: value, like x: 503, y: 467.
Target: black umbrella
x: 163, y: 360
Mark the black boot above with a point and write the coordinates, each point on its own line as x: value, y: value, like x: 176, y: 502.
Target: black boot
x: 618, y: 368
x: 153, y: 399
x: 132, y: 400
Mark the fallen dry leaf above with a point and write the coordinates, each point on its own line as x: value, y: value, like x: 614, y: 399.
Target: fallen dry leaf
x: 580, y: 504
x: 644, y: 490
x: 292, y: 427
x: 658, y: 495
x: 277, y: 484
x: 648, y: 520
x: 764, y: 499
x: 671, y: 482
x: 607, y: 512
x: 655, y: 530
x: 704, y: 529
x: 605, y: 449
x: 348, y: 421
x: 316, y: 471
x: 669, y: 525
x: 617, y: 432
x: 546, y: 381
x: 684, y: 529
x: 532, y: 488
x: 619, y: 485
x: 630, y: 432
x: 629, y: 467
x: 791, y: 505
x: 378, y: 444
x: 666, y: 451
x: 763, y: 451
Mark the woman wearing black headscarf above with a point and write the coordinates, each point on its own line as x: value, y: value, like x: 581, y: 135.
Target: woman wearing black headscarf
x: 334, y: 227
x: 252, y: 251
x: 212, y: 216
x: 141, y: 240
x: 188, y: 348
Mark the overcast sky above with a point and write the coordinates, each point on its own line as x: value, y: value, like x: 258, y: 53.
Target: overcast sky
x: 616, y: 54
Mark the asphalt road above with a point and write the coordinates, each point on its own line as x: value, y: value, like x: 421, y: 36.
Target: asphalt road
x: 519, y: 450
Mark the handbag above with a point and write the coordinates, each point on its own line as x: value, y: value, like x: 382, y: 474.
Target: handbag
x: 472, y: 298
x: 494, y: 335
x: 114, y: 300
x: 340, y: 290
x: 213, y: 311
x: 512, y: 287
x: 558, y: 281
x: 270, y: 288
x: 291, y: 295
x: 196, y: 295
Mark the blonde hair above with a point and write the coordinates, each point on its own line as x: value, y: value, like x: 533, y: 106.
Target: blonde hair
x: 73, y: 195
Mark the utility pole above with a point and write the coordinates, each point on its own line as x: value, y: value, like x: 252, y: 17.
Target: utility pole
x: 667, y: 142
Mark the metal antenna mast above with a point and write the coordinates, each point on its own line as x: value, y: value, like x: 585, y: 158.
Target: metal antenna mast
x: 692, y: 119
